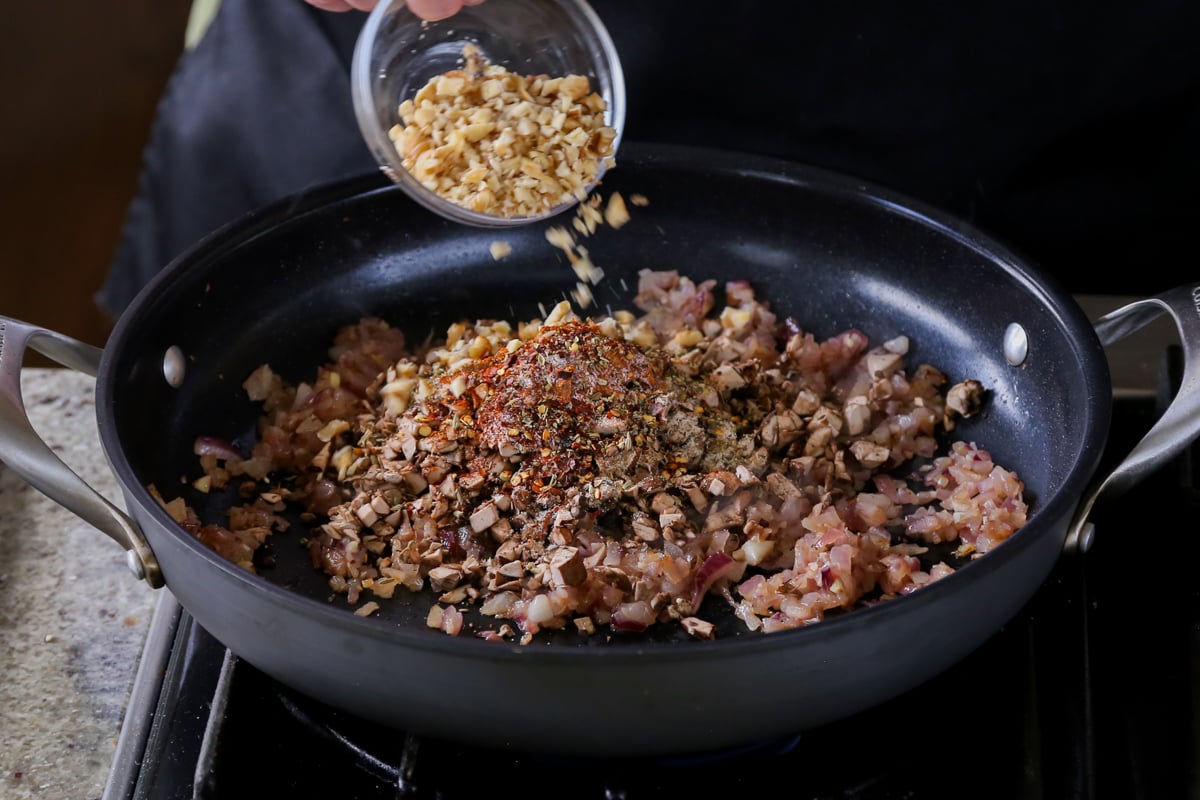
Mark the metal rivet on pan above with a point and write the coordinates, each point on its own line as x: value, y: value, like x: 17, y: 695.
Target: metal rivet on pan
x: 174, y: 366
x: 1087, y: 535
x: 1016, y: 344
x: 135, y: 565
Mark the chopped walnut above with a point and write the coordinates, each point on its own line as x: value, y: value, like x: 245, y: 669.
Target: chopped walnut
x: 699, y: 628
x: 367, y: 609
x: 504, y: 144
x: 615, y: 213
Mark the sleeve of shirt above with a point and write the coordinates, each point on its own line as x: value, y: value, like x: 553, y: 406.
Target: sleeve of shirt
x: 257, y: 110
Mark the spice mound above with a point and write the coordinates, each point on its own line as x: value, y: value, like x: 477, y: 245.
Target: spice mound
x: 561, y: 399
x: 500, y: 143
x: 621, y: 471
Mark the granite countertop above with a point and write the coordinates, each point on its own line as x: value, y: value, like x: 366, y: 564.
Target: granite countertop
x: 73, y: 618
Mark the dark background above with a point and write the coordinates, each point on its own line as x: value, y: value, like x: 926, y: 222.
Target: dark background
x: 1069, y: 132
x: 80, y: 81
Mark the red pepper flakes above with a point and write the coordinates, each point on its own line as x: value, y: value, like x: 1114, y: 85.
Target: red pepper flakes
x: 555, y: 389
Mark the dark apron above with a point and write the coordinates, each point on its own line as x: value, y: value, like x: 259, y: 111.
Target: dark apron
x: 1069, y: 131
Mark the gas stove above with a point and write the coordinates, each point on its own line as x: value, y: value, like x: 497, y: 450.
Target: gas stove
x: 1089, y: 692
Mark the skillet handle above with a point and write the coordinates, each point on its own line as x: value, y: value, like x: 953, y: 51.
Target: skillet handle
x: 1180, y: 423
x: 23, y: 450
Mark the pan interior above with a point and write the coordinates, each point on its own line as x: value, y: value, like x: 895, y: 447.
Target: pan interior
x: 820, y: 248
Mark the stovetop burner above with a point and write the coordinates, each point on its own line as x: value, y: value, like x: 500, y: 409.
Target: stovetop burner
x: 1090, y: 692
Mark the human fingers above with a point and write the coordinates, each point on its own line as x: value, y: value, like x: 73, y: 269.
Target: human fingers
x: 433, y: 10
x: 330, y: 5
x: 343, y: 5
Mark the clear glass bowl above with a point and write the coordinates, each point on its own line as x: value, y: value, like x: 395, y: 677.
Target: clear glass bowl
x: 397, y: 53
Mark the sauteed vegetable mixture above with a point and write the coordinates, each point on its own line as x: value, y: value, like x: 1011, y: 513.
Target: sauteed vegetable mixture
x: 618, y: 471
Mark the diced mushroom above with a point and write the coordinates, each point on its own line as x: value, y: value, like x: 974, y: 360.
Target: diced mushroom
x: 857, y: 415
x: 644, y: 527
x: 673, y: 520
x: 444, y: 578
x: 484, y: 517
x: 728, y: 378
x: 722, y: 483
x: 781, y: 429
x: 567, y: 567
x: 501, y: 530
x: 869, y: 454
x: 367, y: 514
x: 663, y: 502
x: 729, y: 513
x: 882, y: 365
x: 781, y: 486
x: 806, y: 402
